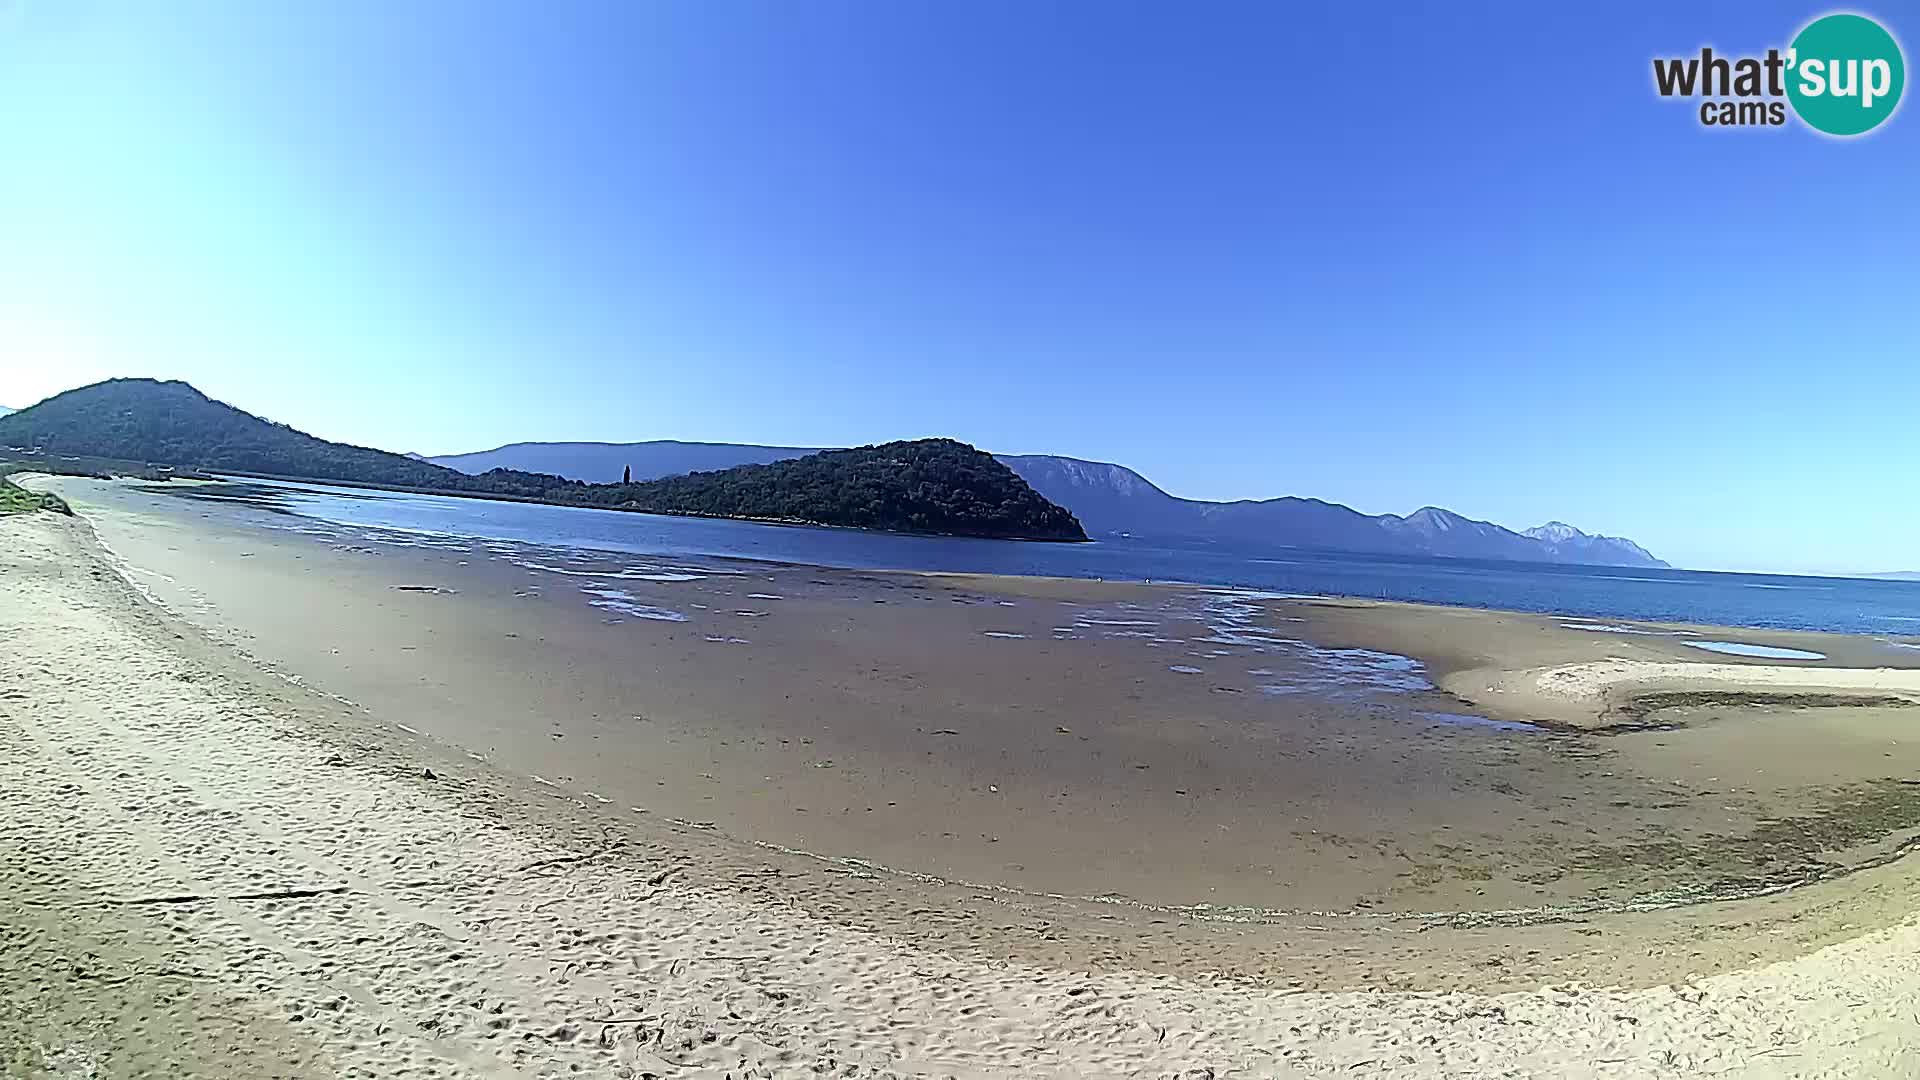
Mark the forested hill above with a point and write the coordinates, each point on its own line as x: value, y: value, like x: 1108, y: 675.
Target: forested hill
x: 171, y: 423
x: 932, y: 485
x: 928, y: 485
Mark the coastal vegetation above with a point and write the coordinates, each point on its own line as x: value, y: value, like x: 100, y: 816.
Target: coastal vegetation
x: 15, y: 499
x: 925, y: 486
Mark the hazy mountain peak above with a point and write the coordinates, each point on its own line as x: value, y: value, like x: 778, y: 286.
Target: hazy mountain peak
x: 1570, y: 544
x: 1101, y: 475
x: 1435, y: 517
x: 1554, y: 532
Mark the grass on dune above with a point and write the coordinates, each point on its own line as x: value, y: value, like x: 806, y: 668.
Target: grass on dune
x: 15, y: 499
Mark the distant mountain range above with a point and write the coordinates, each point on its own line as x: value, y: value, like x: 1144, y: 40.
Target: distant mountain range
x: 601, y: 463
x: 1114, y: 500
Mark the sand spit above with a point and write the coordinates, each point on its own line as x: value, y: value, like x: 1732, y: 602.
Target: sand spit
x: 1597, y: 694
x: 198, y: 886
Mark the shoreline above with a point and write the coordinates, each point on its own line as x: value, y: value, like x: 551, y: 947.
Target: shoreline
x: 1201, y: 912
x: 908, y: 721
x: 639, y: 922
x: 221, y: 476
x: 1905, y: 638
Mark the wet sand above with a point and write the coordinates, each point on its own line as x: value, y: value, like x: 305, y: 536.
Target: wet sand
x: 1188, y: 757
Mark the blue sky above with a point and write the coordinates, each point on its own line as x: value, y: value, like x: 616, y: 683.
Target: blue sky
x: 1460, y: 256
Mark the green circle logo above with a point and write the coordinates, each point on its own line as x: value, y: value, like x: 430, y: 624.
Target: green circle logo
x: 1845, y: 74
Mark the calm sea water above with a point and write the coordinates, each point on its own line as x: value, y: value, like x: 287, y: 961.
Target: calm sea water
x: 1848, y: 605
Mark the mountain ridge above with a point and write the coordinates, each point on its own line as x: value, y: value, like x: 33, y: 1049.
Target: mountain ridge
x: 1109, y: 498
x: 605, y: 462
x: 1104, y: 497
x: 1114, y: 499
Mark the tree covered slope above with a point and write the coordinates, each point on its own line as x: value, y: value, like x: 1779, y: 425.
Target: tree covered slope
x: 171, y: 423
x: 927, y: 485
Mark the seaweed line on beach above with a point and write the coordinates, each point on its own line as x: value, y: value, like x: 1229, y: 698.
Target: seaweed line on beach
x: 1664, y: 900
x: 1632, y: 715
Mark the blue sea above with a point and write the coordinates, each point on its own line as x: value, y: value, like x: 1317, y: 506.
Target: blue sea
x: 1770, y: 601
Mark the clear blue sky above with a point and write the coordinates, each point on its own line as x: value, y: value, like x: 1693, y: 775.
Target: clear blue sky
x: 1460, y: 255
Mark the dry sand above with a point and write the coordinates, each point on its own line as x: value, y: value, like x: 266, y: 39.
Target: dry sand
x: 217, y: 873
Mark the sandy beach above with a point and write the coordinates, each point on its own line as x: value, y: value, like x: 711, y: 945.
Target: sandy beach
x: 664, y: 540
x: 283, y: 807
